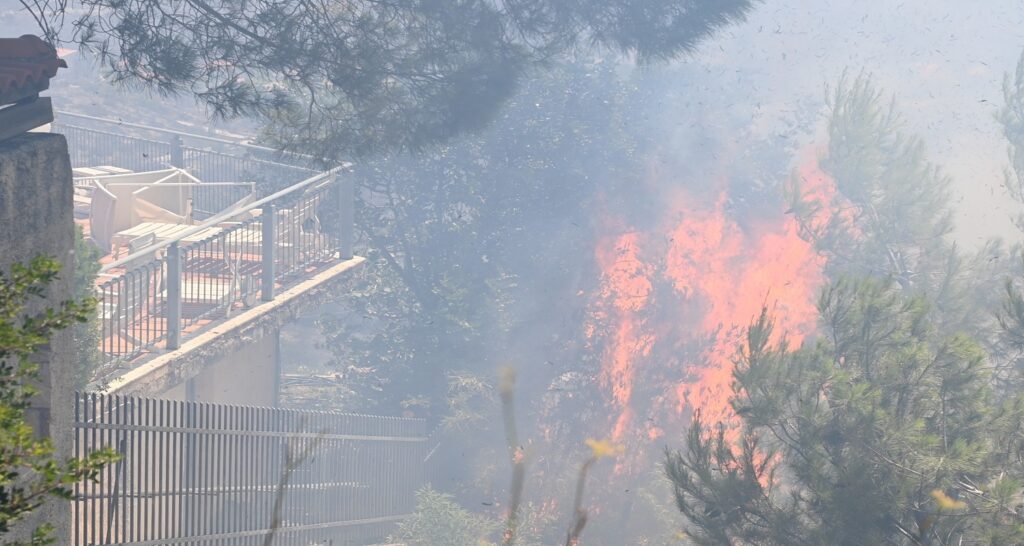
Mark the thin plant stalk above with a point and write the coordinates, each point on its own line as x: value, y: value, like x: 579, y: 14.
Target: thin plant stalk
x: 579, y: 520
x: 292, y: 462
x: 599, y: 449
x: 516, y: 455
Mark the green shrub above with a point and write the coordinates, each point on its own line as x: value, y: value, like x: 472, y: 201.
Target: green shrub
x: 440, y: 521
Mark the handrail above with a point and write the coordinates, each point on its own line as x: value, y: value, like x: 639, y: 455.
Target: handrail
x: 170, y: 170
x: 224, y: 215
x: 183, y: 134
x: 179, y: 184
x: 110, y: 179
x: 178, y: 133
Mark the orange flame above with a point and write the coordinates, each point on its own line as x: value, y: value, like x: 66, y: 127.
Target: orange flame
x: 719, y: 273
x: 732, y: 273
x: 628, y: 288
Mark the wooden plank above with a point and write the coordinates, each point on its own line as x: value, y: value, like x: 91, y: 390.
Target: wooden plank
x: 122, y: 238
x: 170, y: 231
x: 87, y: 171
x: 23, y: 117
x: 144, y: 228
x: 110, y: 169
x: 201, y: 235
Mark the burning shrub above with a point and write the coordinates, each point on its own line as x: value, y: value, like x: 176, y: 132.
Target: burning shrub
x: 889, y: 428
x: 887, y: 431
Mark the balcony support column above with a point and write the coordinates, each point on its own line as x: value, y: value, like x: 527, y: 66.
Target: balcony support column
x: 268, y: 248
x: 346, y: 216
x: 173, y: 296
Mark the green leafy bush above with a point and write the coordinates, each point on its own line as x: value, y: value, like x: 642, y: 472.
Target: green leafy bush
x: 30, y: 473
x: 440, y: 521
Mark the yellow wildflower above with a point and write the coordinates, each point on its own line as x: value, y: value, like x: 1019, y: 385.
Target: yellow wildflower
x: 946, y: 502
x: 603, y: 448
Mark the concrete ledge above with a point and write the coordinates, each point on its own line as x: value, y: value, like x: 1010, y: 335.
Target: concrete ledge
x: 168, y: 370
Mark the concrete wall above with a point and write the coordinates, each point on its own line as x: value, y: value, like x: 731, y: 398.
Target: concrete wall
x: 35, y: 218
x: 247, y: 376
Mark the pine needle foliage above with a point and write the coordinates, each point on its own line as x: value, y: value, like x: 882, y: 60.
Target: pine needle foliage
x: 337, y: 79
x: 1011, y: 117
x: 890, y: 213
x: 891, y: 426
x: 884, y: 431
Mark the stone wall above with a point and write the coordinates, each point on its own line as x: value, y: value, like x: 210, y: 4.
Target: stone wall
x: 36, y: 218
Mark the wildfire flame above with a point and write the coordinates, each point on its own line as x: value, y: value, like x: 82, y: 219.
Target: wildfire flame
x: 714, y: 273
x: 627, y: 286
x: 733, y: 273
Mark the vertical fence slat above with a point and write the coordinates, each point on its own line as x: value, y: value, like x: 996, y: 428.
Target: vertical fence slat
x: 199, y: 473
x: 76, y: 510
x: 91, y: 489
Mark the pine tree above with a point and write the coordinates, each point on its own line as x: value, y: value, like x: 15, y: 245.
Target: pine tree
x: 885, y: 431
x: 890, y: 215
x: 335, y: 79
x: 1011, y: 117
x: 888, y: 428
x: 1011, y: 315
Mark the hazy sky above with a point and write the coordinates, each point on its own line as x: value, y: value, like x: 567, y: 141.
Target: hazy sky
x: 944, y: 59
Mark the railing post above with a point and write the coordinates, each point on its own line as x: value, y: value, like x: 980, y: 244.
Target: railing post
x: 269, y: 246
x: 346, y: 215
x: 177, y: 152
x: 173, y: 296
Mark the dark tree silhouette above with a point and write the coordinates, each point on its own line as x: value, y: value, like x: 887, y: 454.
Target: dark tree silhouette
x: 363, y: 76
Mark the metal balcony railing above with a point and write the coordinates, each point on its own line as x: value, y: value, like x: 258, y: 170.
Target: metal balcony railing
x: 164, y: 291
x: 98, y: 141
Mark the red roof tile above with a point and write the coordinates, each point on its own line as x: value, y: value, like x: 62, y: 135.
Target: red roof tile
x: 26, y: 66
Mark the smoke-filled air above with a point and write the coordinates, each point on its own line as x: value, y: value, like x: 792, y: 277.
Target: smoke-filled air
x: 511, y: 273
